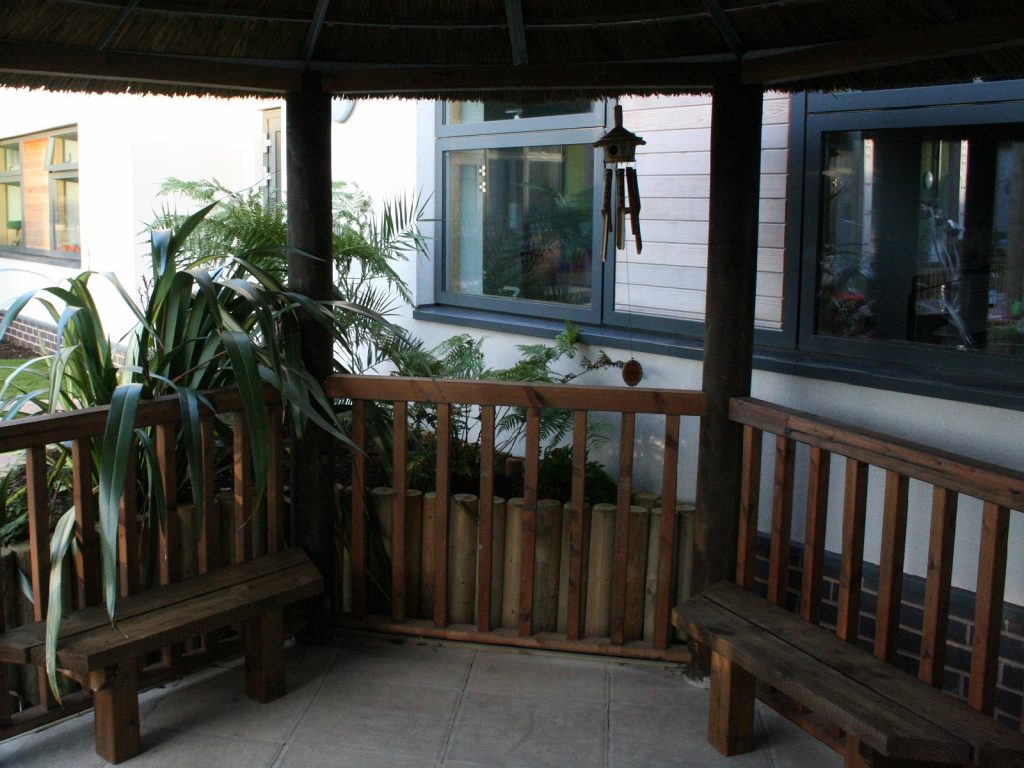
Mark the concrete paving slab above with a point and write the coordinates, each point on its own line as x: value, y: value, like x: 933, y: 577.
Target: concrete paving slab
x: 791, y: 747
x: 319, y: 756
x: 384, y: 719
x: 182, y: 749
x: 410, y: 663
x: 528, y: 675
x: 506, y: 732
x: 661, y: 685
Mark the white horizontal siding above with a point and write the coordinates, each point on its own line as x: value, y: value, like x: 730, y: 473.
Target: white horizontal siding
x: 668, y: 278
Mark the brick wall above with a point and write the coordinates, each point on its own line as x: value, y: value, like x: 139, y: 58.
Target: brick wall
x: 961, y: 627
x: 33, y: 334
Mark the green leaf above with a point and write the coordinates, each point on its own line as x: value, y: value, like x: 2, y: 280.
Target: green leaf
x: 63, y: 535
x: 250, y: 385
x: 115, y: 456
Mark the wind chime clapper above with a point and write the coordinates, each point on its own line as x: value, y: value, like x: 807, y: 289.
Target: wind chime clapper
x: 619, y: 146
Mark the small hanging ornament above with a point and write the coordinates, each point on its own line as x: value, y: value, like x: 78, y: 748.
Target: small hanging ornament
x: 619, y: 147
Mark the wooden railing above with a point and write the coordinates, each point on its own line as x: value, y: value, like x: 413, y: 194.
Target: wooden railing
x: 483, y: 546
x: 180, y: 552
x: 950, y: 476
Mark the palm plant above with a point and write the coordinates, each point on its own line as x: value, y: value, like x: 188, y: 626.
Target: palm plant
x: 196, y: 330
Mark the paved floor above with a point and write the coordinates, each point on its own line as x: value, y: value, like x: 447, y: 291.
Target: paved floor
x: 379, y: 704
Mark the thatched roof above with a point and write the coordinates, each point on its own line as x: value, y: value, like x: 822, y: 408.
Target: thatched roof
x: 476, y: 48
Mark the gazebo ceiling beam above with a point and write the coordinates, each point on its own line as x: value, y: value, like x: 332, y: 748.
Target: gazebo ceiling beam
x: 641, y: 77
x: 516, y: 32
x: 114, y: 28
x: 314, y: 29
x: 725, y: 28
x: 64, y: 61
x: 952, y: 38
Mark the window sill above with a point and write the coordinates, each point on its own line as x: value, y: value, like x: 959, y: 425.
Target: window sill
x: 894, y: 377
x: 52, y: 258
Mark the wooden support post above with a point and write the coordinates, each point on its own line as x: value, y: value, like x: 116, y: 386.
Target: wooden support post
x: 729, y: 324
x: 264, y: 657
x: 308, y: 132
x: 116, y: 706
x: 731, y: 709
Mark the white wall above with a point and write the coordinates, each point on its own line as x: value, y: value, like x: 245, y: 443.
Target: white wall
x: 127, y: 146
x: 987, y: 433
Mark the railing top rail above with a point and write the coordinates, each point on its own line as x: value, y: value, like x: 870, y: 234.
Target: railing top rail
x: 49, y: 428
x: 507, y: 393
x: 956, y: 472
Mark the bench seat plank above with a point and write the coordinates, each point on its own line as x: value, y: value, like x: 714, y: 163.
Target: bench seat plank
x: 992, y: 744
x: 876, y: 721
x: 103, y: 646
x: 20, y: 645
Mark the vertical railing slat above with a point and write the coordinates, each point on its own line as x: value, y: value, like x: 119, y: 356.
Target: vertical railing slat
x: 242, y: 482
x: 750, y: 499
x: 5, y: 670
x: 209, y: 539
x: 87, y: 560
x: 935, y: 625
x: 890, y: 576
x: 399, y: 604
x: 128, y: 533
x: 852, y: 565
x: 170, y: 531
x: 443, y: 484
x: 995, y: 529
x: 819, y: 467
x: 531, y: 475
x: 358, y: 525
x: 39, y: 545
x: 667, y: 538
x: 782, y: 519
x: 620, y: 560
x: 577, y: 529
x: 485, y: 551
x: 274, y: 525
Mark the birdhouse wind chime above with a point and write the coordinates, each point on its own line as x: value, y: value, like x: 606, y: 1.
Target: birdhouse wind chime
x: 619, y: 147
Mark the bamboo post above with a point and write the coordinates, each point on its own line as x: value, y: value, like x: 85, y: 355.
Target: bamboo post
x: 427, y: 559
x: 513, y: 555
x: 651, y: 580
x: 498, y: 559
x: 636, y: 572
x: 686, y: 516
x: 413, y: 549
x: 380, y: 503
x: 548, y: 563
x: 599, y: 571
x: 463, y: 509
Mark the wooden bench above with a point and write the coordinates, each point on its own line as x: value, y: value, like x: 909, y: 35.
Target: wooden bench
x: 105, y: 658
x: 889, y: 717
x: 860, y: 702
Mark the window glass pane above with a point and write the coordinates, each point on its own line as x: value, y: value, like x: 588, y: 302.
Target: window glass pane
x: 486, y: 111
x: 64, y: 149
x: 10, y: 158
x: 10, y: 213
x: 518, y: 222
x: 65, y: 215
x: 922, y: 238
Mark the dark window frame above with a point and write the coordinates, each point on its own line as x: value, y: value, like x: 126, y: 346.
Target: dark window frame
x: 51, y: 256
x: 920, y: 366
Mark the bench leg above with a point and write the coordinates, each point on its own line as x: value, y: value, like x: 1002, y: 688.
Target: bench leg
x: 116, y: 707
x: 264, y: 656
x: 731, y: 716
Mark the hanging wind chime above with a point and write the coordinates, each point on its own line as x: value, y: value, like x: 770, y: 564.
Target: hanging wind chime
x: 619, y: 147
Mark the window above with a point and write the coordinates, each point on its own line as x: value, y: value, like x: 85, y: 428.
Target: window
x: 914, y: 229
x: 39, y: 207
x: 518, y: 207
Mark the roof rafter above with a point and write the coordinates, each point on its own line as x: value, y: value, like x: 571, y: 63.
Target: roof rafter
x: 65, y: 61
x: 516, y: 32
x: 598, y: 78
x: 945, y: 40
x: 315, y: 26
x: 725, y: 28
x: 114, y: 28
